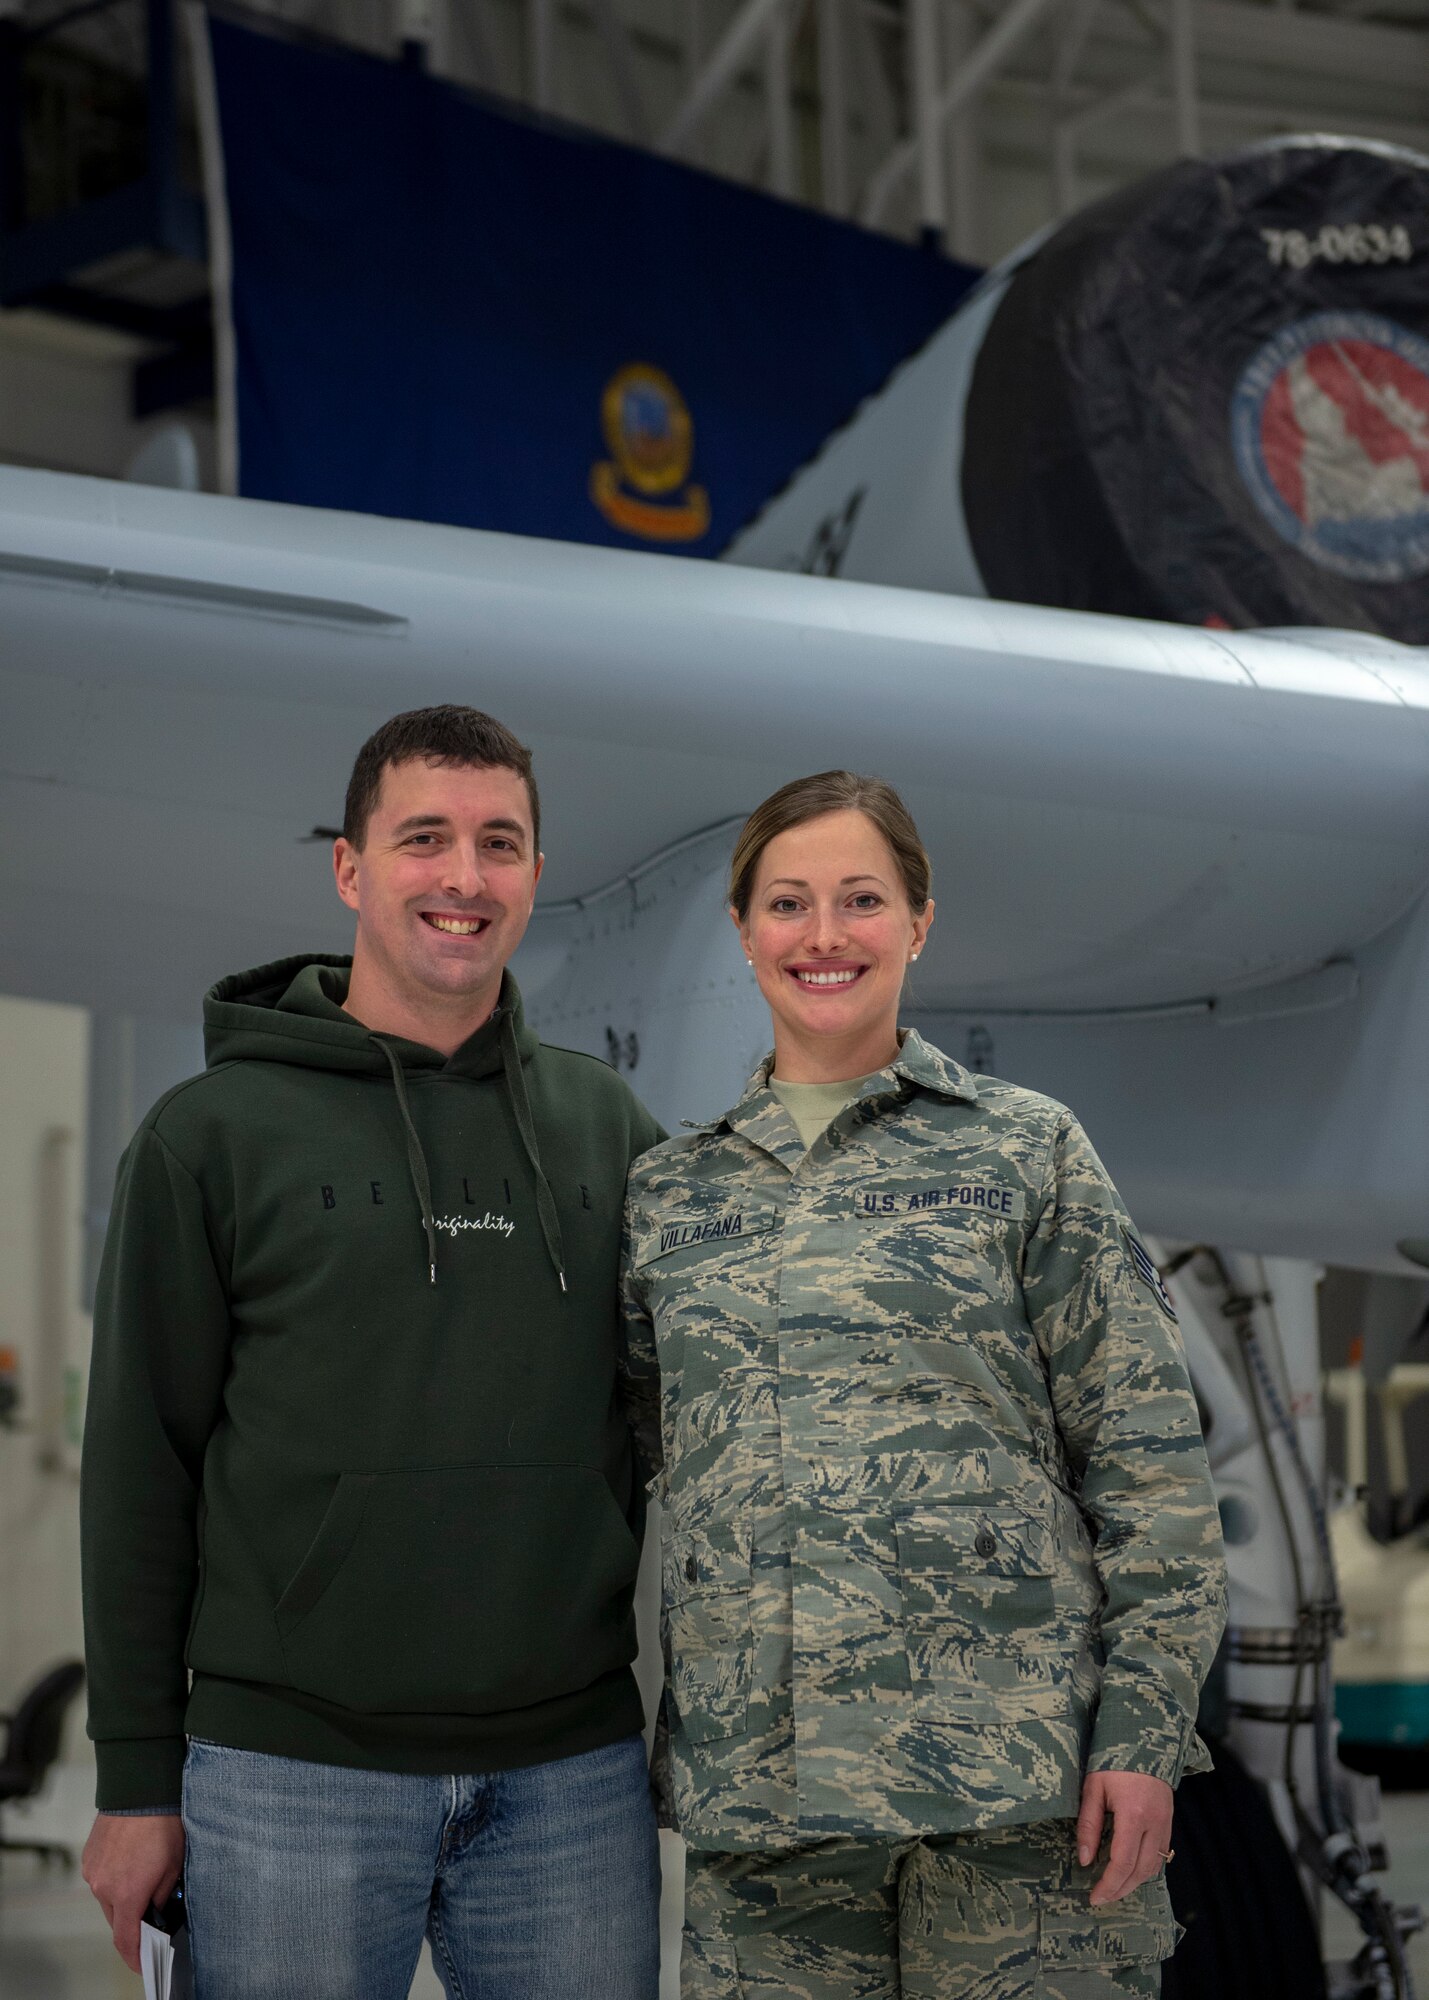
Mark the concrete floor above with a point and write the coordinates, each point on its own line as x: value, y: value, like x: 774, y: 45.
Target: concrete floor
x: 1406, y: 1832
x: 54, y: 1946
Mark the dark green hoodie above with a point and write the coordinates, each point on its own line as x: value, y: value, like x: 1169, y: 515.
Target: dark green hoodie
x: 353, y: 1452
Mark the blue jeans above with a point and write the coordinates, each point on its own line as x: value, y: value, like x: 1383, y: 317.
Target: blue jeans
x: 316, y: 1882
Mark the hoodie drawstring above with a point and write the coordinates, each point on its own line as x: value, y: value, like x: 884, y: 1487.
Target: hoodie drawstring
x: 521, y: 1109
x: 416, y: 1158
x: 525, y: 1125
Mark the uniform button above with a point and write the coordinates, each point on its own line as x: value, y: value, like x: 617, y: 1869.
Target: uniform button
x: 986, y: 1543
x: 692, y: 1569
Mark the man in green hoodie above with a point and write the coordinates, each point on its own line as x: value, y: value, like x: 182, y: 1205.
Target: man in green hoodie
x: 360, y: 1519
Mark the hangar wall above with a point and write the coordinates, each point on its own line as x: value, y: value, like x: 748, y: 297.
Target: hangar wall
x: 43, y: 1061
x: 65, y: 399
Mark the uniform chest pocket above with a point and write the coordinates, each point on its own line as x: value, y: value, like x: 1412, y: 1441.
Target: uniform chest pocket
x: 979, y: 1612
x: 955, y: 1197
x: 701, y: 1236
x: 711, y: 1644
x: 950, y: 1246
x: 709, y: 1274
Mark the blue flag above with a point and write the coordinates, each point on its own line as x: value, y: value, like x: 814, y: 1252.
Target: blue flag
x: 450, y: 311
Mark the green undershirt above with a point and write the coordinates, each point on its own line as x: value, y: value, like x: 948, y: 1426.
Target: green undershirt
x: 814, y: 1106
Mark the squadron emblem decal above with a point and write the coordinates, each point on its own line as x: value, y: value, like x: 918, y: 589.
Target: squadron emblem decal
x: 1330, y: 427
x: 641, y: 488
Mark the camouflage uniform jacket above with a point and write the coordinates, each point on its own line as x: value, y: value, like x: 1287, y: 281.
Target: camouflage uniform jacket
x: 939, y: 1533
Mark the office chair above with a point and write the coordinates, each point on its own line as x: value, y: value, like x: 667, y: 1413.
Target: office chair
x: 32, y: 1745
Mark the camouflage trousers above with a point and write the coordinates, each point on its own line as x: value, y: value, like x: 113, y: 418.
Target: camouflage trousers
x: 1001, y: 1915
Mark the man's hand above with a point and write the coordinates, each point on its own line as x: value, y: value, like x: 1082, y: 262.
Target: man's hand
x: 1140, y: 1809
x: 130, y: 1863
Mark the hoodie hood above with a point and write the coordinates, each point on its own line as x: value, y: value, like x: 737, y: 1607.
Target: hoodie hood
x: 292, y: 1012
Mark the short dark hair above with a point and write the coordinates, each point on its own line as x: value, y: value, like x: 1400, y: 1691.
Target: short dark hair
x: 445, y: 735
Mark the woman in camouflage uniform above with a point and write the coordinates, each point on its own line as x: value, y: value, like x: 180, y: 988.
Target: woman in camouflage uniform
x: 941, y: 1559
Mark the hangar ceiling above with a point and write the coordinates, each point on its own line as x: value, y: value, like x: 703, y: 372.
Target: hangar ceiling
x: 969, y: 123
x: 979, y: 118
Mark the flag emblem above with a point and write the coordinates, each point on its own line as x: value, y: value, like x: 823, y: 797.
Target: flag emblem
x: 641, y: 488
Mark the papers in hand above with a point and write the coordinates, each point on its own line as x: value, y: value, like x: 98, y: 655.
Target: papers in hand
x: 164, y: 1951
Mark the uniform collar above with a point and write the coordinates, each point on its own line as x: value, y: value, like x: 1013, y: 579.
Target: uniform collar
x: 931, y: 1070
x: 763, y: 1120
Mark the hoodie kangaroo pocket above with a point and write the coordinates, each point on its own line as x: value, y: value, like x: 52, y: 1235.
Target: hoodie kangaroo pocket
x: 462, y: 1590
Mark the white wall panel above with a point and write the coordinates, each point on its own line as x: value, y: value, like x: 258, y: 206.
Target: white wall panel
x: 42, y: 1128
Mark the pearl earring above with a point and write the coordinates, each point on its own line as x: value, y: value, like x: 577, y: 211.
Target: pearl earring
x: 913, y: 956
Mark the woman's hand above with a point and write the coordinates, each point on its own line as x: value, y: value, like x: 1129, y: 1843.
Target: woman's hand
x: 1140, y: 1807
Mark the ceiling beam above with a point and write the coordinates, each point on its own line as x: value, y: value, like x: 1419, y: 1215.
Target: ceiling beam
x: 833, y: 108
x: 1300, y: 43
x: 1010, y: 29
x: 925, y: 67
x: 735, y: 49
x: 541, y: 53
x: 1022, y: 105
x: 616, y: 43
x: 471, y: 24
x: 1182, y: 54
x: 778, y: 107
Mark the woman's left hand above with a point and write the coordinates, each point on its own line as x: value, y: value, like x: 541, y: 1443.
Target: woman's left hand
x: 1140, y: 1807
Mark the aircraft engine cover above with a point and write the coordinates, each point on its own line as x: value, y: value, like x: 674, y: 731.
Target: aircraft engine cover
x: 1204, y: 398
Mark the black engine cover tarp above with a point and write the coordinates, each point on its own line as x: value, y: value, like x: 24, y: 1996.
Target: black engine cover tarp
x: 1206, y: 398
x: 1250, y: 1934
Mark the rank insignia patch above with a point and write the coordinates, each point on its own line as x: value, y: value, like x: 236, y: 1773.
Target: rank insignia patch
x: 1144, y: 1266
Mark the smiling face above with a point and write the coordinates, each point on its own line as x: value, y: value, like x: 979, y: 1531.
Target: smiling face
x: 830, y: 934
x: 442, y: 886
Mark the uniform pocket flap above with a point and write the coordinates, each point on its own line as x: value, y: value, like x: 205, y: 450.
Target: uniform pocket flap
x: 1139, y: 1930
x: 702, y: 1227
x: 707, y: 1575
x: 705, y: 1562
x: 977, y: 1538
